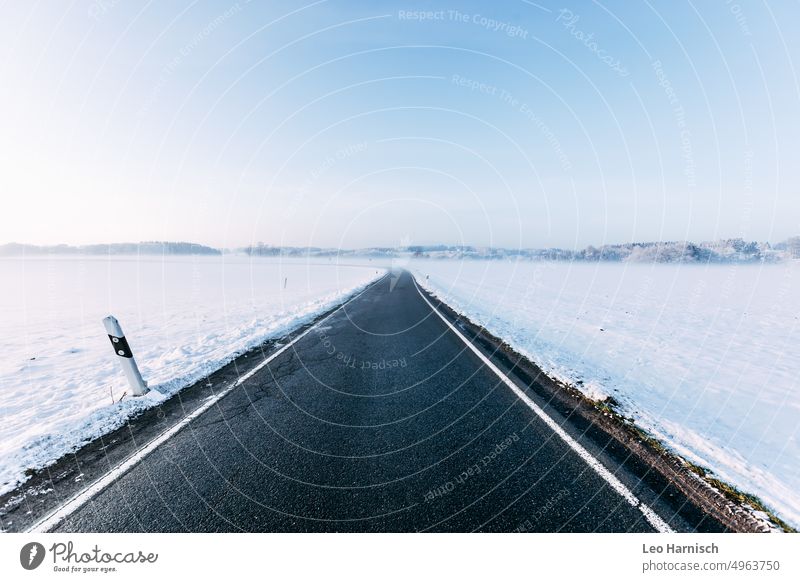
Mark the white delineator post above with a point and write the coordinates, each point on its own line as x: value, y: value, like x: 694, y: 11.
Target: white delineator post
x: 125, y: 356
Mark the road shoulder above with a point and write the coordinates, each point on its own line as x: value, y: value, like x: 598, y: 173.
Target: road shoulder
x: 51, y: 487
x: 659, y: 477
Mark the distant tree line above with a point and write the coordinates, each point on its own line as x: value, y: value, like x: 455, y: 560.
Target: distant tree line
x: 142, y: 248
x: 735, y: 250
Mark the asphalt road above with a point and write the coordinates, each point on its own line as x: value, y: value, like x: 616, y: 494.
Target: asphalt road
x: 379, y: 419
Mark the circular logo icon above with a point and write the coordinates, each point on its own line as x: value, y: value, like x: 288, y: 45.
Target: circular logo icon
x: 31, y: 555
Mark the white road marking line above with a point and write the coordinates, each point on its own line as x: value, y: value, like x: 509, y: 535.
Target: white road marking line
x: 79, y: 499
x: 651, y: 516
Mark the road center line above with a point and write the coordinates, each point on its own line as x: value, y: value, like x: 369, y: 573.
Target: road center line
x: 651, y: 516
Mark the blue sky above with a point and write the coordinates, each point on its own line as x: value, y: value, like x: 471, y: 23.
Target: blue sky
x: 350, y: 124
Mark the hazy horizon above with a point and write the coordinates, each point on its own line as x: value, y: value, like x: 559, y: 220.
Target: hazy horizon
x: 369, y: 246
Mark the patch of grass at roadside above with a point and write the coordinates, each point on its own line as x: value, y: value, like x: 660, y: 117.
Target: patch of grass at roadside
x: 738, y: 496
x: 610, y: 406
x: 649, y: 440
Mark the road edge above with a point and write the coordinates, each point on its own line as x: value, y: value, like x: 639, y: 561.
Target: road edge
x: 269, y: 350
x: 711, y: 496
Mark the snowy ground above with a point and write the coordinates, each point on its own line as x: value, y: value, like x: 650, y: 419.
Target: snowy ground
x: 704, y: 357
x: 183, y: 317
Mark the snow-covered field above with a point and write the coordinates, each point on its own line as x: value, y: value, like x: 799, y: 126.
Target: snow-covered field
x: 183, y: 317
x: 704, y: 357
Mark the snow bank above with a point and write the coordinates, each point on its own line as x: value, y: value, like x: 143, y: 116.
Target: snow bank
x: 183, y: 316
x: 704, y: 357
